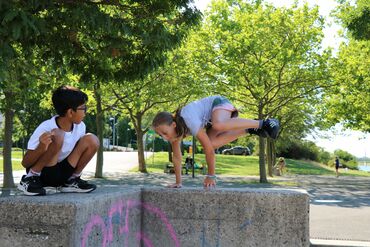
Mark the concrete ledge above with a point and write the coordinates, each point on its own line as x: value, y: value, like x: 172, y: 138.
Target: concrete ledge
x: 126, y: 216
x: 63, y: 219
x: 338, y: 243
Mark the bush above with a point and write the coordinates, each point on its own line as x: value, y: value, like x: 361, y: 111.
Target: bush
x: 301, y: 150
x: 324, y: 156
x: 346, y: 159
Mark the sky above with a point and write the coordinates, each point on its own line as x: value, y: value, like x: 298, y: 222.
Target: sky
x: 354, y: 142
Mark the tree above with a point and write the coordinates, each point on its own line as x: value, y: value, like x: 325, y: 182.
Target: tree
x: 100, y: 41
x: 168, y: 87
x: 113, y: 41
x: 349, y: 101
x: 267, y: 59
x: 356, y: 18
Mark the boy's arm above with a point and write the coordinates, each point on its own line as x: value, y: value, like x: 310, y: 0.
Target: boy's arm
x: 177, y: 160
x: 32, y: 156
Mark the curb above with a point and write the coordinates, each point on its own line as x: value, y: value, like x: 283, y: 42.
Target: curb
x: 337, y: 243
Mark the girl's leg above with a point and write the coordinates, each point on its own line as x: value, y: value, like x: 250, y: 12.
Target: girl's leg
x: 83, y: 152
x: 220, y: 136
x: 220, y: 139
x: 222, y: 121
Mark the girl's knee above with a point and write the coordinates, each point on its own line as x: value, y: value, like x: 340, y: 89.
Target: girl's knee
x: 214, y: 144
x: 218, y: 126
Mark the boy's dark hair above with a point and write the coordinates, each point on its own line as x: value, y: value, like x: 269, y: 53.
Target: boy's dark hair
x: 68, y: 97
x: 167, y: 118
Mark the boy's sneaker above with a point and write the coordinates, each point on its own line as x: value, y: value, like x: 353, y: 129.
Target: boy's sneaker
x: 258, y: 132
x: 77, y: 185
x: 31, y: 186
x: 272, y: 127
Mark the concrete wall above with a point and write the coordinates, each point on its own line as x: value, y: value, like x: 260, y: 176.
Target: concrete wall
x: 63, y: 220
x: 123, y: 216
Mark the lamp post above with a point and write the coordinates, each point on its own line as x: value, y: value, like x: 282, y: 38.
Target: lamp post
x: 113, y: 120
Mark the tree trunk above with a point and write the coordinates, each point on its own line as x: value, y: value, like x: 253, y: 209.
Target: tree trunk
x: 269, y: 156
x: 140, y: 146
x: 7, y: 149
x: 263, y: 177
x: 262, y: 164
x: 99, y: 130
x: 169, y: 152
x: 273, y: 152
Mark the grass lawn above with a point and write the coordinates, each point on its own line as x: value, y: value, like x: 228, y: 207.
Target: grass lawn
x: 16, y: 161
x: 16, y: 165
x: 226, y: 164
x: 248, y: 166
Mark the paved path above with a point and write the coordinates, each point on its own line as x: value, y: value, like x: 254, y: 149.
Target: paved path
x: 339, y: 207
x: 116, y: 162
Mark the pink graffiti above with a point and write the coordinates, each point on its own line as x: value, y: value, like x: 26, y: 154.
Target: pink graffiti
x: 141, y: 236
x: 117, y: 208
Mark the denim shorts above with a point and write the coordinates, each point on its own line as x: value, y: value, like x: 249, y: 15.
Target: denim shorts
x: 223, y: 103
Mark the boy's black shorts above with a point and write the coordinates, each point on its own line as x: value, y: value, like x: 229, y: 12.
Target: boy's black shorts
x: 57, y: 175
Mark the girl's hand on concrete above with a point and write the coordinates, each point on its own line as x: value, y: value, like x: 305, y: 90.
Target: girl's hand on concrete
x: 174, y: 186
x: 209, y: 183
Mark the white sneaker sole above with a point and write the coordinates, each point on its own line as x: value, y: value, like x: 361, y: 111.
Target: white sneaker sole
x: 27, y: 193
x: 74, y: 190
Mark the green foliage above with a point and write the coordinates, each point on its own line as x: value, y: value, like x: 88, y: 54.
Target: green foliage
x: 268, y: 61
x: 300, y: 150
x: 324, y: 156
x: 349, y: 101
x: 159, y: 145
x: 114, y: 41
x: 356, y: 18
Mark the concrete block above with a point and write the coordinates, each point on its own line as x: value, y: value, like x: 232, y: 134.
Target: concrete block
x: 228, y: 217
x: 127, y: 216
x: 64, y: 220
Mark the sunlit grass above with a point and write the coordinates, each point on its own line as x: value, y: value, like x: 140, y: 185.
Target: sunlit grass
x: 249, y: 166
x: 16, y: 161
x: 16, y: 165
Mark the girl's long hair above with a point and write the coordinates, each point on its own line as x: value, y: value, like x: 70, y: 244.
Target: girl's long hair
x: 167, y: 118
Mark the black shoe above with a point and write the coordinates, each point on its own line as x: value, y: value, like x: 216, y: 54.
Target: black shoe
x: 31, y: 186
x: 272, y: 127
x: 258, y: 132
x: 77, y: 185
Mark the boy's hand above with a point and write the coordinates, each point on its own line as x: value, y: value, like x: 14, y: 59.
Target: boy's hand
x: 177, y: 186
x: 45, y: 140
x: 209, y: 183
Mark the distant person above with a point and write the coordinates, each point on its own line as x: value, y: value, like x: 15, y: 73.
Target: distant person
x: 281, y: 165
x: 337, y: 166
x: 214, y: 122
x: 59, y: 148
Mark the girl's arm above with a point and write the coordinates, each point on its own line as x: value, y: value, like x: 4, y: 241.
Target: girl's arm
x: 177, y: 160
x: 210, y: 157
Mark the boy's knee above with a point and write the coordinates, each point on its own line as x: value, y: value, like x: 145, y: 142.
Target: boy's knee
x: 91, y: 141
x: 58, y: 138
